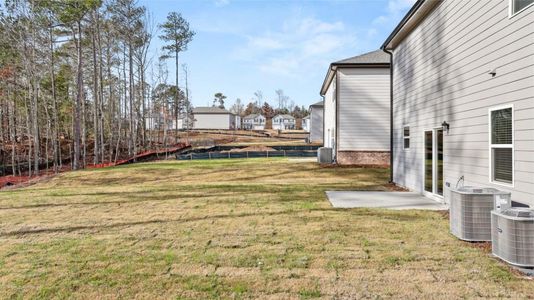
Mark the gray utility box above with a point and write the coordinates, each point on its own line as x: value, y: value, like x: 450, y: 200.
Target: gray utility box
x: 512, y: 233
x: 470, y: 212
x: 324, y: 155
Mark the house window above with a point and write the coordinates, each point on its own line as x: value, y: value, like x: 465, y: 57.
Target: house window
x: 502, y: 145
x: 406, y: 137
x: 519, y: 5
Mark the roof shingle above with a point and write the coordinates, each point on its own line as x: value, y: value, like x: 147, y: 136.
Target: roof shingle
x: 210, y: 110
x: 374, y: 57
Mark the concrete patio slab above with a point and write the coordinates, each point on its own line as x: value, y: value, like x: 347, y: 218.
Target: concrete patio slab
x: 389, y: 200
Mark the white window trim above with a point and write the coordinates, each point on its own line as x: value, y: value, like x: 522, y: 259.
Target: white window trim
x: 491, y: 146
x: 511, y: 13
x: 409, y: 137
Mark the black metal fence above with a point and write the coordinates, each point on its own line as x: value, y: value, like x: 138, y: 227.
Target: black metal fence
x: 277, y: 148
x: 248, y: 154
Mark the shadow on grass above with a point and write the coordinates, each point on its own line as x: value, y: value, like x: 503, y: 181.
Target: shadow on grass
x: 143, y: 199
x: 374, y: 213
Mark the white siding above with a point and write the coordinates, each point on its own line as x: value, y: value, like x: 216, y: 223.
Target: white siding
x: 316, y: 124
x: 212, y: 121
x: 363, y: 108
x: 238, y: 122
x: 441, y: 74
x: 329, y: 116
x: 306, y: 125
x: 281, y: 123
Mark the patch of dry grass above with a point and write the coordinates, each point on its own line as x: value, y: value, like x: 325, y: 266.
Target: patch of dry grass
x: 258, y: 228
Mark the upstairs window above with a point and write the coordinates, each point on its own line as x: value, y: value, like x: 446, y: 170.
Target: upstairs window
x: 519, y: 5
x: 406, y: 137
x: 502, y: 145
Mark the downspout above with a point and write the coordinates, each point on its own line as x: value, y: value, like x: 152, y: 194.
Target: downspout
x: 336, y: 109
x: 390, y: 114
x: 324, y: 126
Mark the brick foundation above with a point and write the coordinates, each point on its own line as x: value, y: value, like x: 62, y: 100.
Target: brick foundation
x: 363, y: 158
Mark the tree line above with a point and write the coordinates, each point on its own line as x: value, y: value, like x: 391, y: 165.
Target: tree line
x: 78, y: 82
x: 283, y: 105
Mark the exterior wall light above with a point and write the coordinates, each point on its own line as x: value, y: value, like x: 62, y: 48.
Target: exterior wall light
x: 446, y: 126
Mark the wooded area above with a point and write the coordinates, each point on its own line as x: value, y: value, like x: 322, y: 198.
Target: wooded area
x: 77, y: 81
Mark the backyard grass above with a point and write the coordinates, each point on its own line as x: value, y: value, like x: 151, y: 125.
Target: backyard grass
x: 258, y: 228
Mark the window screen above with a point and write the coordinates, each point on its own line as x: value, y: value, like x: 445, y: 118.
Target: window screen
x: 503, y: 165
x: 518, y: 5
x: 501, y: 125
x: 406, y: 135
x: 502, y: 161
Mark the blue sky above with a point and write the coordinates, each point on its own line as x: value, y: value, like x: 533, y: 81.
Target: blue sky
x: 242, y: 46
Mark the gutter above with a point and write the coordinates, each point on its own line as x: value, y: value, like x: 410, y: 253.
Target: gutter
x: 324, y: 115
x: 416, y: 15
x: 336, y: 109
x: 326, y: 82
x: 403, y: 22
x: 390, y: 114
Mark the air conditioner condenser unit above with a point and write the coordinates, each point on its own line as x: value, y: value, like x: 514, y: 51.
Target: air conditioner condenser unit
x: 512, y: 232
x: 470, y: 212
x: 324, y: 155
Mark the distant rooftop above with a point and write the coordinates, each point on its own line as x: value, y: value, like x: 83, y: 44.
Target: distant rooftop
x: 252, y: 116
x: 210, y: 110
x: 285, y: 116
x: 374, y: 57
x: 320, y: 103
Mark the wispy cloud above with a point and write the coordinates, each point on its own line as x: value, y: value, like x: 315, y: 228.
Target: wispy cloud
x: 297, y: 45
x: 395, y: 9
x: 221, y: 3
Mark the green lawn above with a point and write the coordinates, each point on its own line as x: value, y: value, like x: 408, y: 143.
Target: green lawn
x: 231, y: 229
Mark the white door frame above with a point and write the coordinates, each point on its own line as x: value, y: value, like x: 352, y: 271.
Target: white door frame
x: 434, y: 194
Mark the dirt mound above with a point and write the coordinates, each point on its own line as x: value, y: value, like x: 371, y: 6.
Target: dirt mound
x: 253, y: 148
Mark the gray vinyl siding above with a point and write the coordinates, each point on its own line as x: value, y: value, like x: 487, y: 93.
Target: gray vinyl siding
x: 441, y: 74
x: 316, y: 124
x: 363, y: 108
x: 213, y: 121
x: 329, y: 116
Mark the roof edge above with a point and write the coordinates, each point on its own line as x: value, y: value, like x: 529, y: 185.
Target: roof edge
x: 332, y: 69
x: 328, y: 78
x: 409, y: 22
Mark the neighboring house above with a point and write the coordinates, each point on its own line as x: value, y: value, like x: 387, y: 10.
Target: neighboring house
x: 154, y: 121
x: 316, y: 122
x: 284, y: 122
x: 463, y: 97
x: 356, y: 95
x: 254, y: 122
x: 238, y: 124
x: 213, y: 118
x: 306, y: 123
x: 184, y: 123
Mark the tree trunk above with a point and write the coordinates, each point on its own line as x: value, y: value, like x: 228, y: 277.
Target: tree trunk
x: 132, y: 150
x: 143, y: 115
x: 55, y: 137
x: 111, y: 102
x: 28, y: 134
x: 101, y: 90
x: 79, y: 99
x: 12, y: 131
x: 96, y: 105
x: 177, y: 101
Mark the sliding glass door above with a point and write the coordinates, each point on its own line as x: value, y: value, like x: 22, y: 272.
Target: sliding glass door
x: 433, y: 173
